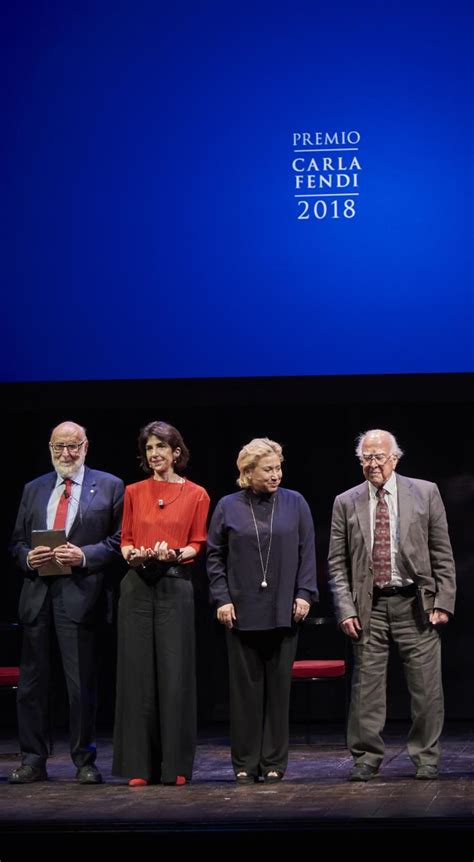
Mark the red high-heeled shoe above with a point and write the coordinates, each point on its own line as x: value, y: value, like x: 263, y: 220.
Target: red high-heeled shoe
x: 138, y: 782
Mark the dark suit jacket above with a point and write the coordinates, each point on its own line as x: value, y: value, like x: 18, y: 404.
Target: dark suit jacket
x: 96, y: 530
x: 424, y: 554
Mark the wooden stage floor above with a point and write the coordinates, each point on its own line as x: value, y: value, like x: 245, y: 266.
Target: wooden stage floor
x: 313, y: 806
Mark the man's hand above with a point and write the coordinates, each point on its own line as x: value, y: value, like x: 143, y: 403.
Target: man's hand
x: 439, y: 618
x: 39, y: 556
x: 351, y: 627
x: 69, y: 555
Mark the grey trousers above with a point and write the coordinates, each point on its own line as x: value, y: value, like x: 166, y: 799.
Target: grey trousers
x: 399, y: 619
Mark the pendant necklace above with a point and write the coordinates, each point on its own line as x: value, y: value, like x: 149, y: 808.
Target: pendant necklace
x: 264, y: 568
x: 162, y: 503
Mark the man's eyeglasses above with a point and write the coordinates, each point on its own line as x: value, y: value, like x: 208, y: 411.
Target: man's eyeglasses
x: 379, y: 458
x: 72, y: 448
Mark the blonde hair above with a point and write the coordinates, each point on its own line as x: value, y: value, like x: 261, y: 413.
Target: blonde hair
x: 250, y: 455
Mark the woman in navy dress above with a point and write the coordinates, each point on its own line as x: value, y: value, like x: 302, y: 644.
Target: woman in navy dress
x: 262, y: 571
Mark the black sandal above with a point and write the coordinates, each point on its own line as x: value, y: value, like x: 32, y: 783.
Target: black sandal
x: 244, y: 778
x: 273, y: 775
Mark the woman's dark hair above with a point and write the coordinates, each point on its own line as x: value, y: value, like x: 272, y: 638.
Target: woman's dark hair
x: 171, y: 436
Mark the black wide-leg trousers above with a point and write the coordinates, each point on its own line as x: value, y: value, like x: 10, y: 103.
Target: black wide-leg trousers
x: 260, y: 665
x: 155, y: 717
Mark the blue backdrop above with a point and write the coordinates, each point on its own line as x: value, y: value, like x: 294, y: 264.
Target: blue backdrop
x: 151, y: 225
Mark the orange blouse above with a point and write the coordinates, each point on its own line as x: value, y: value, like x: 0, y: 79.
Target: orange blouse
x: 170, y: 512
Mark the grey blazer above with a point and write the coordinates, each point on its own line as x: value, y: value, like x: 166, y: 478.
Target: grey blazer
x: 425, y: 553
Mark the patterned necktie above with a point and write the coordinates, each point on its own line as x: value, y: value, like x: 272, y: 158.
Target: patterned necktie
x: 61, y: 511
x: 381, y: 551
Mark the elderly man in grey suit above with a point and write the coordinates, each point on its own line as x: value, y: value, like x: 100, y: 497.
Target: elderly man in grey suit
x: 392, y: 578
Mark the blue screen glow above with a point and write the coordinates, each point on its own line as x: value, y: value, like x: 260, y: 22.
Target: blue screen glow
x: 267, y: 189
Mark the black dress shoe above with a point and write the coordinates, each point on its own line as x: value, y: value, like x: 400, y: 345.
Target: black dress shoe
x: 363, y: 772
x: 427, y: 773
x: 27, y: 773
x: 88, y: 775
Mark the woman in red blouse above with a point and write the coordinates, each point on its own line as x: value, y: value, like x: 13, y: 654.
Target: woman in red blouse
x: 164, y: 528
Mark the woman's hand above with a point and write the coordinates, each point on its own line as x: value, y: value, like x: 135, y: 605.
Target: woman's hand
x: 134, y: 556
x: 226, y: 615
x: 300, y: 609
x: 162, y: 552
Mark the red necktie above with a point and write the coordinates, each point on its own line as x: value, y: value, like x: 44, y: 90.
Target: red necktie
x: 381, y: 551
x: 61, y: 511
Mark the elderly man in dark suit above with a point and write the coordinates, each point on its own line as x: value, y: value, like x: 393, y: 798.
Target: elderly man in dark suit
x: 392, y: 577
x: 87, y: 504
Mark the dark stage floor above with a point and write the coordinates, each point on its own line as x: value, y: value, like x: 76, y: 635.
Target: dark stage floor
x: 313, y: 805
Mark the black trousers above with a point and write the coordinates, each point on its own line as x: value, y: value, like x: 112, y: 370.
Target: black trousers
x: 155, y: 716
x: 77, y: 645
x: 260, y: 665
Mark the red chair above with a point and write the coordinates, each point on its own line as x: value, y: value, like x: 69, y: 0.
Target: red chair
x: 9, y: 677
x: 9, y: 674
x: 9, y: 656
x: 322, y: 670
